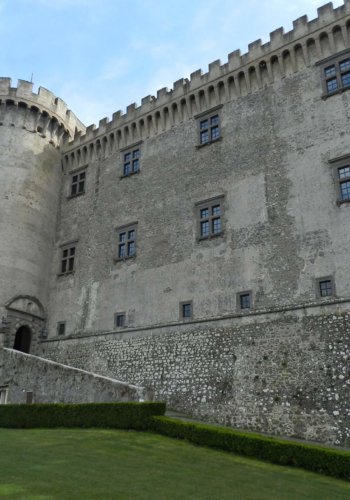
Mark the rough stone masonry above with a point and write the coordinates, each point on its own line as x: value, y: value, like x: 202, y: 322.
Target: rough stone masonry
x: 196, y: 245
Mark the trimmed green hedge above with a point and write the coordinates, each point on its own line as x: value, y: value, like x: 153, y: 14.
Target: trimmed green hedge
x: 314, y: 458
x: 114, y: 415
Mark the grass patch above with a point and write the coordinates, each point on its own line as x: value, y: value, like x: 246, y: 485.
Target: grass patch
x: 107, y: 464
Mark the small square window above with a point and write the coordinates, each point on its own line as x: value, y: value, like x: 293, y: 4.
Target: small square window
x: 244, y: 300
x: 119, y: 320
x: 126, y: 238
x: 325, y: 287
x: 68, y: 256
x: 77, y: 184
x: 61, y: 328
x: 186, y: 310
x: 209, y: 215
x: 131, y: 162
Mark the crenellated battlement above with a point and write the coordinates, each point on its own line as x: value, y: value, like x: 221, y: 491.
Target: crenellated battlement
x: 42, y: 112
x: 263, y: 64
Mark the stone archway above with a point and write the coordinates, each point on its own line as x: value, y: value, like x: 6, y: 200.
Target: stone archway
x: 23, y: 339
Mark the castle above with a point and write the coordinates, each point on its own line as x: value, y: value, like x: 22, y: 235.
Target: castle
x: 197, y: 245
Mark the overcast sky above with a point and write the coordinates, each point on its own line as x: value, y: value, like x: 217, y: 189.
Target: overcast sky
x: 101, y: 55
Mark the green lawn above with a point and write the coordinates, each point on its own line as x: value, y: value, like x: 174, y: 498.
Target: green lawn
x: 111, y: 464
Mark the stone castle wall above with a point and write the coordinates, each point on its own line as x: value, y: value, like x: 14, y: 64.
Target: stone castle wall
x: 281, y: 375
x: 50, y: 382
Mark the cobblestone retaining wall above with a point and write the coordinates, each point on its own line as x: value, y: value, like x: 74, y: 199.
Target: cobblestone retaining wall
x: 285, y: 376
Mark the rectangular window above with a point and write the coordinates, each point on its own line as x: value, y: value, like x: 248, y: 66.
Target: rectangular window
x: 68, y: 256
x: 119, y: 320
x: 209, y: 215
x: 77, y: 185
x: 3, y: 395
x: 244, y: 300
x: 126, y: 237
x: 209, y: 129
x: 325, y: 287
x: 342, y: 178
x: 131, y: 162
x: 186, y: 310
x: 61, y: 328
x: 335, y: 73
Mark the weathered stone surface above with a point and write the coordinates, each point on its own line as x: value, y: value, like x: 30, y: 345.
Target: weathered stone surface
x: 56, y: 383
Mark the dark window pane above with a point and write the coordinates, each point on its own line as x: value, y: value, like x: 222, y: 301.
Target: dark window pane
x: 122, y: 237
x: 205, y: 228
x: 75, y: 178
x: 61, y: 328
x: 127, y: 157
x: 71, y: 264
x: 120, y: 320
x: 343, y: 65
x: 345, y: 78
x: 344, y: 172
x: 64, y: 266
x: 81, y: 186
x: 131, y: 234
x: 135, y: 165
x: 82, y: 175
x: 326, y: 288
x: 65, y: 253
x: 136, y: 153
x: 216, y: 225
x: 216, y: 210
x: 330, y: 71
x: 121, y: 252
x: 74, y: 189
x: 214, y: 120
x: 215, y: 133
x: 131, y: 248
x: 204, y: 213
x: 203, y: 124
x: 332, y: 85
x: 127, y: 169
x: 186, y: 310
x: 72, y: 251
x: 204, y: 137
x: 245, y: 301
x: 345, y: 190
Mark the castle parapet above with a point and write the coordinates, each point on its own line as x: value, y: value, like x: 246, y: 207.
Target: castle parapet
x: 242, y: 74
x: 50, y: 110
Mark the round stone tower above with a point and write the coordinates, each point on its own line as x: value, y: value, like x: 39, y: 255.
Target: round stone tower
x: 32, y: 128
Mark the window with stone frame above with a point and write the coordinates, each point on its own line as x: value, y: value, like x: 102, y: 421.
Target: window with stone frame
x: 341, y: 168
x: 335, y: 73
x: 186, y: 310
x: 244, y: 300
x: 126, y: 241
x: 120, y: 319
x: 325, y: 287
x: 77, y: 182
x: 210, y: 218
x: 209, y: 129
x: 61, y: 328
x: 68, y: 258
x: 131, y: 161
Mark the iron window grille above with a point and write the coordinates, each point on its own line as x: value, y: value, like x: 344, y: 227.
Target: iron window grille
x: 244, y: 300
x: 186, y: 310
x: 325, y: 287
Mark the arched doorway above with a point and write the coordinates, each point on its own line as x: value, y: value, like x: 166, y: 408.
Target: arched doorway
x: 22, y: 339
